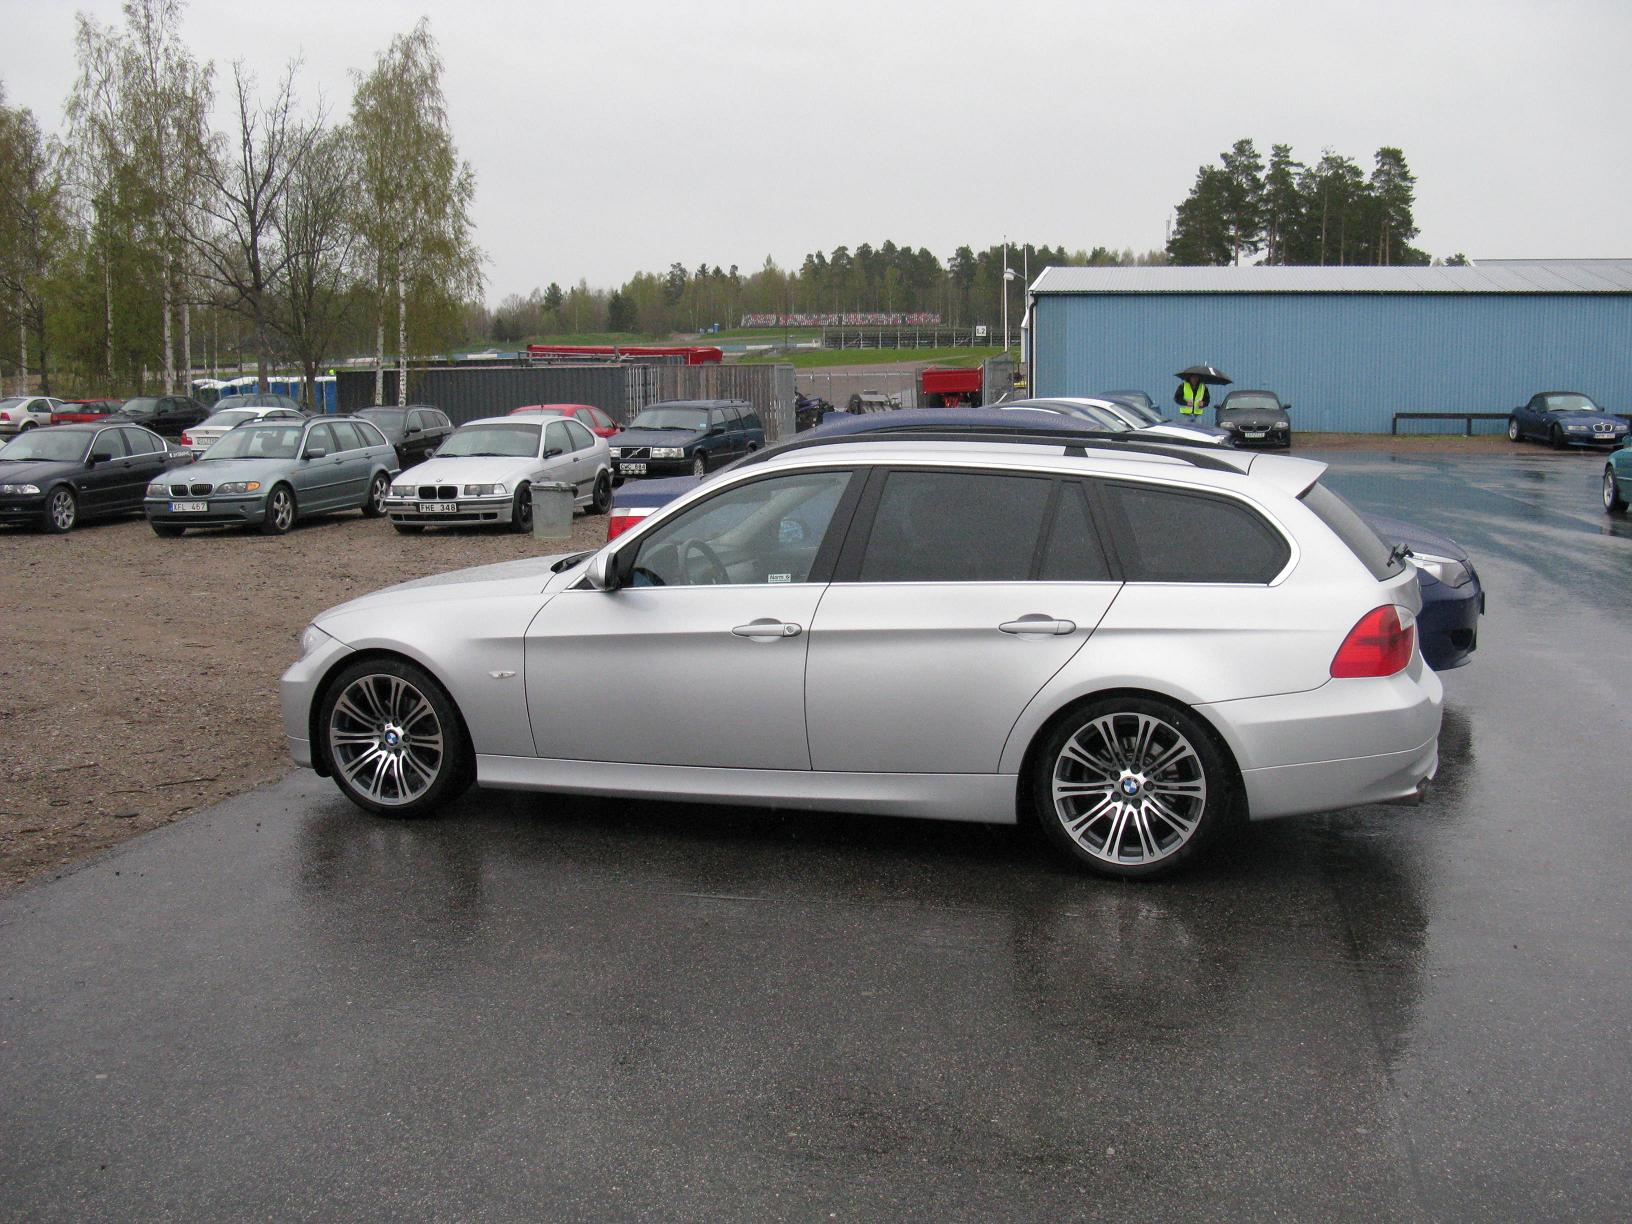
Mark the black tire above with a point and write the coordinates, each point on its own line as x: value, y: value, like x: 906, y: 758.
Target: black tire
x: 409, y: 528
x: 28, y: 425
x: 165, y: 531
x: 1614, y: 495
x: 378, y: 488
x: 521, y: 512
x: 1182, y: 807
x: 281, y: 511
x: 405, y: 735
x: 1555, y: 438
x: 600, y: 501
x: 1513, y: 432
x: 61, y: 514
x: 699, y: 466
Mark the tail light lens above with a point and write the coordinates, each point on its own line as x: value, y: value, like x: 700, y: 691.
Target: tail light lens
x: 1379, y: 645
x: 619, y: 521
x: 5, y: 416
x: 186, y: 440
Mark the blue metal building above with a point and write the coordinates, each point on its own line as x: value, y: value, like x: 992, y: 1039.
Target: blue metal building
x: 1347, y: 347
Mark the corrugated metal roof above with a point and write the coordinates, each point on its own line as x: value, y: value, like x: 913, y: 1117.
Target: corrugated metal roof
x: 1498, y: 276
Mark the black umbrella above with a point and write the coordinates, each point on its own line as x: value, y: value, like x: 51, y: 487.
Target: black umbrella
x: 1205, y: 374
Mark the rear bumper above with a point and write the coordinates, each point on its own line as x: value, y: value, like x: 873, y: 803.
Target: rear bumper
x: 1347, y: 743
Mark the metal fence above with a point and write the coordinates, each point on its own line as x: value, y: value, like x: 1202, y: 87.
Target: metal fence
x: 902, y: 337
x: 768, y: 387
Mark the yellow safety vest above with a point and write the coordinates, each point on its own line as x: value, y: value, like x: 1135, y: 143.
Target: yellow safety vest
x: 1195, y: 398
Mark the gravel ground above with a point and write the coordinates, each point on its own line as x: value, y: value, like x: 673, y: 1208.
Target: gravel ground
x: 138, y: 679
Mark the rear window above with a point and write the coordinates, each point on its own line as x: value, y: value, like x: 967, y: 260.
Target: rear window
x: 955, y: 527
x: 1172, y: 535
x: 1354, y: 531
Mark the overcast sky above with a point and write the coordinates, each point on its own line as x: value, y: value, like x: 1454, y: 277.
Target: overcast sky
x: 608, y: 139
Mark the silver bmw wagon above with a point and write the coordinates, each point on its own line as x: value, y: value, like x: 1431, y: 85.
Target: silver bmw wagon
x: 1134, y: 643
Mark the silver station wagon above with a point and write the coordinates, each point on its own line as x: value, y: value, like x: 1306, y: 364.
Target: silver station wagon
x: 1134, y: 643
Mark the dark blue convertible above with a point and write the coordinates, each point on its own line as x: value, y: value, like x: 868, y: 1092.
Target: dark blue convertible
x: 1565, y: 418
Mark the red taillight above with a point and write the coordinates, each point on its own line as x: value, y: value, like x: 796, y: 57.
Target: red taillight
x: 5, y: 416
x: 1379, y: 645
x: 617, y: 524
x: 185, y: 440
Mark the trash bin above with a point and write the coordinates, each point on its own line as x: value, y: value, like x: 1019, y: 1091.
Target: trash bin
x: 552, y: 510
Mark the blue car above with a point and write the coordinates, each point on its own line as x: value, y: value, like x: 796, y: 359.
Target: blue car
x: 1565, y: 418
x: 1452, y: 597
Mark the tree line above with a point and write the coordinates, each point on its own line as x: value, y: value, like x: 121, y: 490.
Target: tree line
x: 1288, y: 212
x: 132, y: 242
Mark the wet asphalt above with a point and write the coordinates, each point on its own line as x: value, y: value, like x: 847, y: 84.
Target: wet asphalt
x: 587, y: 1010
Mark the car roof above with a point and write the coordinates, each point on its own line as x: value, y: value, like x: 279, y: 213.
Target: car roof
x: 696, y: 403
x: 495, y: 420
x: 1251, y: 391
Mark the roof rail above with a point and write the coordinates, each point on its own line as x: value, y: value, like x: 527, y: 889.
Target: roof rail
x: 1075, y: 441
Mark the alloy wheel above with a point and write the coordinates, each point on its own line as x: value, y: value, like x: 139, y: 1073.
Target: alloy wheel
x: 386, y: 740
x: 62, y: 510
x: 1129, y: 788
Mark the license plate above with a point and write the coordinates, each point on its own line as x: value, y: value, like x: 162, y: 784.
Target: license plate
x: 1252, y: 433
x: 189, y: 507
x: 438, y: 507
x: 632, y: 469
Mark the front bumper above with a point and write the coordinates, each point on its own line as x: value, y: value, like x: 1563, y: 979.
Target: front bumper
x: 220, y: 511
x: 22, y: 508
x: 1271, y: 438
x: 1608, y: 442
x: 1347, y: 743
x: 465, y: 510
x: 297, y: 690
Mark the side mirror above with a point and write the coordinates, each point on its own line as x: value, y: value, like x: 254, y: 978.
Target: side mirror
x: 716, y: 429
x: 412, y: 430
x: 601, y: 573
x: 316, y: 452
x: 553, y: 451
x: 1286, y: 407
x: 97, y: 457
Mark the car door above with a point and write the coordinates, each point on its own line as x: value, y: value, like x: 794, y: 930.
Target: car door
x: 583, y: 457
x: 1530, y: 422
x: 678, y: 668
x: 148, y: 457
x: 959, y: 594
x: 417, y: 445
x: 354, y: 463
x: 109, y: 470
x: 557, y: 462
x: 317, y: 479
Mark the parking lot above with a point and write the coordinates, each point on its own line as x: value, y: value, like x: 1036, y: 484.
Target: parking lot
x: 535, y: 1008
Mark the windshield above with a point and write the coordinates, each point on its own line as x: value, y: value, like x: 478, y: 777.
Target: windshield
x: 1138, y: 410
x: 1253, y: 401
x: 1136, y: 397
x: 50, y: 445
x: 145, y: 406
x: 1567, y: 403
x: 257, y: 442
x: 693, y: 419
x: 229, y: 418
x: 386, y: 418
x: 515, y: 440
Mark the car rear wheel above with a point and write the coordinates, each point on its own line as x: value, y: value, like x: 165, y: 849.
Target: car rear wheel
x: 521, y: 513
x: 1614, y: 498
x: 1131, y: 786
x: 1512, y: 429
x: 375, y: 505
x: 601, y: 500
x: 280, y: 511
x: 166, y: 531
x: 61, y: 510
x: 393, y: 739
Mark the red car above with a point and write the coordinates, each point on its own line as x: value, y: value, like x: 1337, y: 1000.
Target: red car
x: 83, y: 412
x: 587, y: 415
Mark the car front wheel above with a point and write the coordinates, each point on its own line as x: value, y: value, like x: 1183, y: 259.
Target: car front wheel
x: 1512, y: 429
x: 280, y: 511
x: 521, y: 512
x: 1614, y: 497
x: 1131, y: 786
x: 392, y: 738
x: 699, y: 467
x: 61, y: 510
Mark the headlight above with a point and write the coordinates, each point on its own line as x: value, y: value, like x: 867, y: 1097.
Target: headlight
x: 668, y: 452
x: 617, y: 452
x: 1577, y: 428
x: 20, y: 488
x: 311, y: 638
x: 1451, y: 572
x: 238, y: 486
x: 156, y: 489
x: 487, y: 490
x: 402, y: 490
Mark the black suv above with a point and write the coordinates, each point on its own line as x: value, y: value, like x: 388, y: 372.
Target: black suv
x: 687, y: 437
x: 163, y: 414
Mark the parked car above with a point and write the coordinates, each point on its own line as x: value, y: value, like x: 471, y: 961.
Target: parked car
x: 259, y: 399
x: 23, y: 412
x: 1255, y: 418
x: 1453, y: 598
x: 169, y: 415
x: 1132, y: 642
x: 1618, y: 478
x: 1104, y: 413
x: 485, y: 471
x: 587, y: 415
x: 1565, y: 418
x: 85, y: 412
x: 270, y: 474
x: 57, y: 478
x: 415, y: 430
x: 1145, y: 411
x: 681, y: 436
x: 199, y: 438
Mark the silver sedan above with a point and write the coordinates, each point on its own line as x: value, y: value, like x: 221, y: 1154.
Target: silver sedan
x: 1133, y: 643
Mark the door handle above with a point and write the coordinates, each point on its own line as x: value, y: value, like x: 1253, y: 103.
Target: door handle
x: 1035, y: 623
x: 766, y: 630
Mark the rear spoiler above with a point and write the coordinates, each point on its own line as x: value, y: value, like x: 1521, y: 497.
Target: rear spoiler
x: 1294, y: 476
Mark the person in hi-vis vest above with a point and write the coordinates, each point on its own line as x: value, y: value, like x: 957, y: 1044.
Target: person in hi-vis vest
x: 1191, y: 397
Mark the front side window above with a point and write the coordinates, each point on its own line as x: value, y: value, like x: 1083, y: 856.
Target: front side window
x: 140, y: 441
x: 1173, y: 535
x: 320, y: 436
x: 768, y: 531
x: 556, y: 438
x: 109, y: 444
x: 582, y: 439
x: 955, y: 527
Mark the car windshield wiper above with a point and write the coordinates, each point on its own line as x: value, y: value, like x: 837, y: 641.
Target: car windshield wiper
x: 1400, y: 552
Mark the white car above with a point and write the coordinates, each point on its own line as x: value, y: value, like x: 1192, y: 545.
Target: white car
x: 199, y: 438
x: 24, y: 412
x: 1134, y: 643
x: 485, y: 470
x: 1090, y: 406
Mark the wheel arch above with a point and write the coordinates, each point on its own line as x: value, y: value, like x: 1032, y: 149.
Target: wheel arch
x: 320, y: 694
x: 1024, y: 811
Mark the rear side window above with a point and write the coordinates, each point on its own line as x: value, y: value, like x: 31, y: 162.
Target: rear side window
x: 750, y: 417
x: 955, y: 527
x: 1348, y: 526
x: 1172, y: 535
x: 582, y: 439
x: 1073, y: 552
